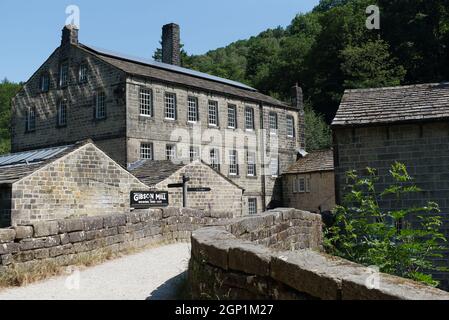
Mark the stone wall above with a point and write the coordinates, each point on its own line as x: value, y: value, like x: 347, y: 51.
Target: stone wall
x: 224, y: 196
x: 320, y: 195
x: 250, y: 259
x: 422, y: 148
x: 62, y: 241
x: 85, y: 182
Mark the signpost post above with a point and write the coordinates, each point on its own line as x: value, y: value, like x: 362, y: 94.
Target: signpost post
x: 185, y: 189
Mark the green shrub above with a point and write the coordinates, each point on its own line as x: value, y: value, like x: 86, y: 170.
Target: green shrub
x: 399, y: 240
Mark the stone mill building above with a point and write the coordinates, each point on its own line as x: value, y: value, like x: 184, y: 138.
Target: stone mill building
x: 136, y: 109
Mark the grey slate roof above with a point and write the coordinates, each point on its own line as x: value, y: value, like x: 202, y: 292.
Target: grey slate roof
x: 11, y: 172
x: 422, y: 102
x: 182, y: 76
x: 152, y: 172
x: 316, y: 161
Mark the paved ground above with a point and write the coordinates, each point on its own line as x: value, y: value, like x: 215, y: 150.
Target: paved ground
x: 150, y: 274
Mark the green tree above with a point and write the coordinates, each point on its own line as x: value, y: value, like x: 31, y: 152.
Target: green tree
x: 318, y: 133
x: 403, y: 241
x: 7, y: 91
x: 370, y: 65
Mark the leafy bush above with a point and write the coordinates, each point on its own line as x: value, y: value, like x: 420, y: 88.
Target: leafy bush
x: 399, y: 240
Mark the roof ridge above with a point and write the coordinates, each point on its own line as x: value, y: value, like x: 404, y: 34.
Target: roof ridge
x: 416, y: 85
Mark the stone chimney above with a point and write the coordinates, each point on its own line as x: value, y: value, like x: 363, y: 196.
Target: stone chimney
x: 171, y: 50
x: 69, y: 35
x: 298, y: 103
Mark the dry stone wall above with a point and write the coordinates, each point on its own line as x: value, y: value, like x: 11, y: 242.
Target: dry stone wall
x: 252, y: 258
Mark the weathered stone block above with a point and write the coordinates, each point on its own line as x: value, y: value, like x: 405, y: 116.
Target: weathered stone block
x: 7, y: 235
x: 93, y: 223
x: 70, y: 225
x: 132, y: 217
x: 24, y: 232
x: 6, y: 259
x: 170, y: 212
x: 77, y: 236
x: 41, y: 253
x: 115, y: 220
x: 250, y: 258
x: 6, y: 248
x: 45, y: 228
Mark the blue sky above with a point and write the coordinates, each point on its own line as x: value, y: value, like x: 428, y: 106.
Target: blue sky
x: 31, y: 30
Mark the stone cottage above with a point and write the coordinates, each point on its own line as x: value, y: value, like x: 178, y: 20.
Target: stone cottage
x: 409, y: 124
x: 207, y: 189
x: 60, y: 182
x: 142, y: 109
x: 309, y: 183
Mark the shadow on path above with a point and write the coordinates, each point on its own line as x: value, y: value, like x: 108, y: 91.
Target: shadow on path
x: 172, y: 289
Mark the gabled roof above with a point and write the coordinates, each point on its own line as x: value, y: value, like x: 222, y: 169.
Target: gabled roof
x: 178, y: 75
x: 415, y: 103
x: 315, y: 161
x: 152, y: 172
x: 15, y: 166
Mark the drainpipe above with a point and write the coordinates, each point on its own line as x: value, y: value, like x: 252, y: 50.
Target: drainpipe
x: 262, y: 165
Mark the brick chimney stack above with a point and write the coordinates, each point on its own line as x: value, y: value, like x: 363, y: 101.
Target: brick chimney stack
x: 171, y: 49
x: 298, y: 103
x: 69, y: 35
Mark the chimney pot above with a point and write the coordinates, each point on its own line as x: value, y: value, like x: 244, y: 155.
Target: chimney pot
x: 171, y: 49
x: 69, y: 35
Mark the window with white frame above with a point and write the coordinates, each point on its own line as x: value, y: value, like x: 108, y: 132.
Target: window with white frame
x: 251, y: 164
x: 30, y: 124
x: 213, y: 113
x: 82, y: 73
x: 274, y: 167
x: 192, y: 109
x: 232, y: 116
x: 301, y: 184
x: 44, y: 82
x: 249, y: 118
x: 214, y: 158
x: 290, y: 127
x: 233, y: 163
x: 62, y: 112
x: 63, y: 74
x: 194, y: 153
x: 170, y: 152
x: 252, y: 206
x: 146, y: 151
x: 273, y: 122
x: 295, y: 185
x: 170, y: 106
x: 146, y: 102
x: 100, y: 105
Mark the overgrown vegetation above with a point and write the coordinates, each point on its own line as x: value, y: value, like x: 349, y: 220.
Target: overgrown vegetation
x: 402, y: 240
x: 7, y: 91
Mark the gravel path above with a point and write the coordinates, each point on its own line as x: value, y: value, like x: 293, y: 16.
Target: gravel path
x: 150, y: 274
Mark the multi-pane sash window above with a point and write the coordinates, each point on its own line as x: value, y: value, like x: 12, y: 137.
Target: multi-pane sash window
x: 30, y: 124
x: 233, y: 163
x: 251, y: 164
x: 274, y: 167
x: 44, y: 83
x: 62, y: 112
x: 63, y: 74
x: 82, y: 73
x: 290, y: 127
x: 192, y: 109
x: 146, y: 102
x: 273, y: 122
x: 194, y: 153
x: 215, y: 159
x: 146, y: 151
x: 301, y: 184
x: 249, y: 118
x: 170, y: 152
x: 232, y: 116
x: 252, y: 206
x: 213, y: 113
x: 170, y: 106
x: 100, y: 105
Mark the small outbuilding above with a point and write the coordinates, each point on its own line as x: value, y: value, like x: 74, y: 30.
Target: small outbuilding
x: 309, y: 183
x: 207, y: 189
x: 61, y: 182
